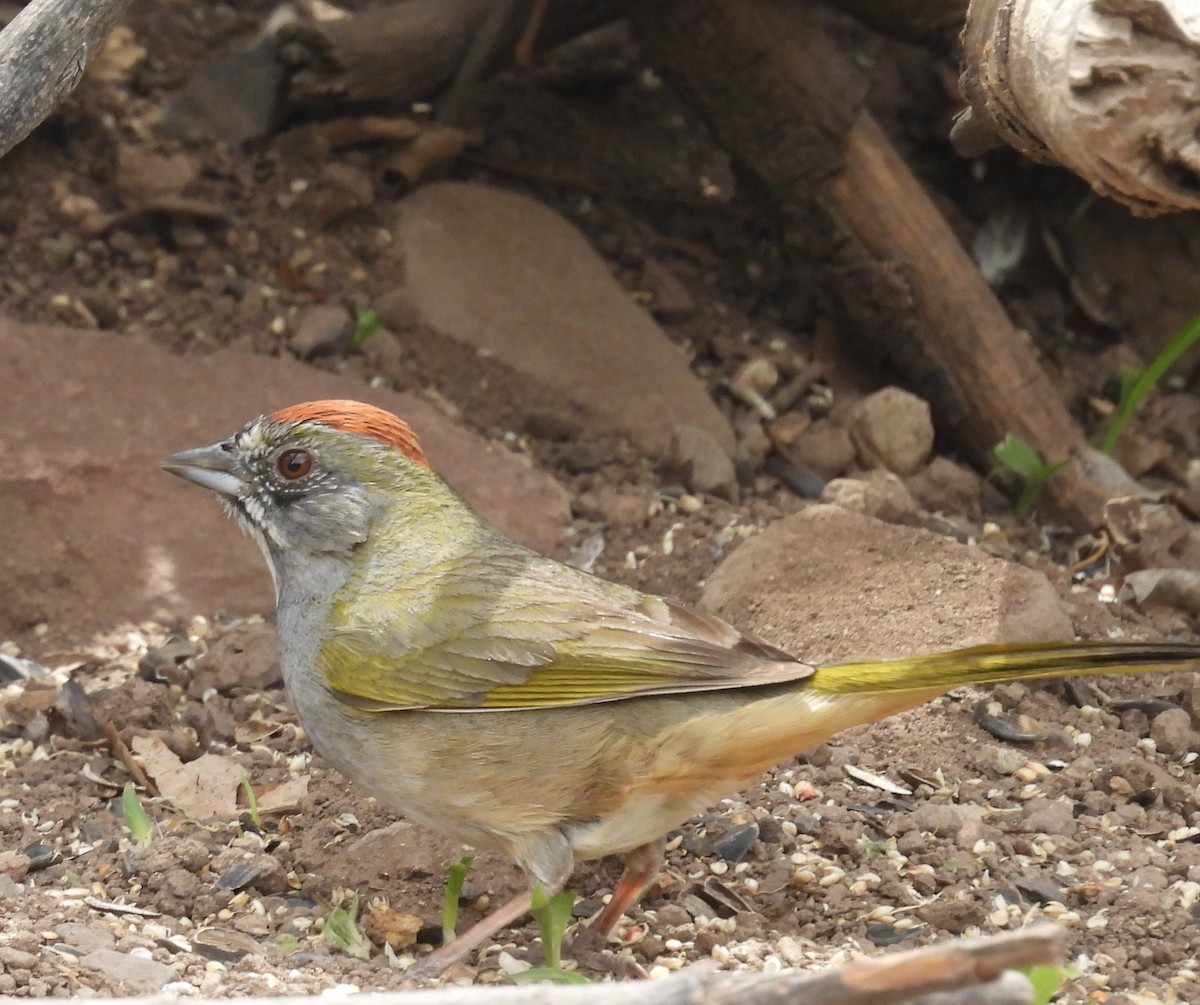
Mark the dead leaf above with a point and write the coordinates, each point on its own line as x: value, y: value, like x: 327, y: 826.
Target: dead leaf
x: 283, y: 798
x: 382, y: 923
x: 201, y: 789
x: 256, y: 728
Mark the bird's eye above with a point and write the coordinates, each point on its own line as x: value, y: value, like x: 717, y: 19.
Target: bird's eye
x: 293, y: 464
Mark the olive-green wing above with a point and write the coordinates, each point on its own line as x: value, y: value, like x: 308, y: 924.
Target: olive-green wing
x: 549, y: 653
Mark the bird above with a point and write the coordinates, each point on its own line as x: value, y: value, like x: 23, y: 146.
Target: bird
x: 515, y: 703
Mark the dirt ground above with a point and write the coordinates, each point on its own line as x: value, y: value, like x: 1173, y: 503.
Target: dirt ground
x: 1090, y: 825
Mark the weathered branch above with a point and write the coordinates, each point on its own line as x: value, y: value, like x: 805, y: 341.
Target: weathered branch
x: 1107, y: 88
x: 959, y: 972
x: 43, y: 53
x: 396, y: 53
x: 784, y: 93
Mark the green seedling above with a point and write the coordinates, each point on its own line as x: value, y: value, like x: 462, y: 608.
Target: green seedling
x: 1027, y: 464
x: 872, y: 849
x: 1135, y: 386
x: 341, y: 930
x: 549, y: 975
x: 456, y: 875
x: 552, y: 915
x: 141, y: 827
x: 1047, y: 980
x: 288, y: 942
x: 251, y: 803
x: 366, y: 324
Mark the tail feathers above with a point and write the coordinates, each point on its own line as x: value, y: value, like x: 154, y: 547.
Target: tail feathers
x: 993, y: 664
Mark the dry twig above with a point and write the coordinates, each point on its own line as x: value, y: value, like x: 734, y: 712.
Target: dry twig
x: 43, y: 53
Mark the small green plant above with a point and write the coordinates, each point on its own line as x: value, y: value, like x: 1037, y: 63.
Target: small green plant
x: 1027, y: 464
x: 288, y: 942
x: 251, y: 803
x: 456, y: 874
x: 341, y: 929
x: 872, y: 849
x: 1047, y: 979
x: 1136, y: 385
x: 552, y: 915
x: 141, y: 827
x: 366, y: 324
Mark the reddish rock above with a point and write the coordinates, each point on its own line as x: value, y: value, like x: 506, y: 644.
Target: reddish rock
x: 93, y: 533
x: 511, y: 277
x: 828, y: 584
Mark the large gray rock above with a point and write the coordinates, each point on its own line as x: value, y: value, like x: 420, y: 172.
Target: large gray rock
x: 93, y: 533
x: 139, y: 975
x: 827, y: 585
x: 508, y: 275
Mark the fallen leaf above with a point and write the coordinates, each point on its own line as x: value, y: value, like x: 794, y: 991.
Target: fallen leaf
x: 256, y: 728
x: 282, y: 798
x: 382, y: 923
x: 201, y: 789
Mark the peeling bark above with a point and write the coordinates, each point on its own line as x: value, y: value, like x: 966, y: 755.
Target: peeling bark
x: 1109, y: 89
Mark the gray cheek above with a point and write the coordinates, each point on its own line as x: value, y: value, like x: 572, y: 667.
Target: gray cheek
x: 334, y: 521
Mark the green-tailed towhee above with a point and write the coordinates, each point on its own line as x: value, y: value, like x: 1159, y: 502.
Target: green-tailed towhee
x: 513, y: 702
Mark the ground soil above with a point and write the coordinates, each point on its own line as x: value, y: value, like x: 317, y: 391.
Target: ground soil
x: 808, y: 868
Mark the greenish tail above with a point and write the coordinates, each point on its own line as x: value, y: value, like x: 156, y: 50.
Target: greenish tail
x: 995, y: 664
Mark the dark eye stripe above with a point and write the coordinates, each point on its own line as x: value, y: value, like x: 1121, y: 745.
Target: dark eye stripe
x: 294, y: 464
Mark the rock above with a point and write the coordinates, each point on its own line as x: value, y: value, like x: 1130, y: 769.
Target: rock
x: 397, y: 310
x: 14, y: 959
x: 351, y: 179
x: 262, y: 872
x: 700, y: 462
x: 1039, y: 888
x: 322, y: 330
x: 670, y: 299
x: 14, y: 864
x: 139, y: 974
x: 1050, y: 816
x: 945, y: 487
x: 404, y: 850
x: 341, y: 189
x: 85, y: 938
x: 997, y: 760
x: 881, y: 495
x: 1097, y: 466
x: 788, y: 428
x: 242, y: 659
x: 166, y: 852
x: 1172, y: 732
x: 511, y: 277
x: 672, y: 915
x: 823, y: 448
x: 80, y: 470
x: 953, y: 916
x: 892, y: 429
x: 143, y: 175
x: 827, y: 584
x: 1151, y: 877
x: 236, y: 99
x: 942, y: 819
